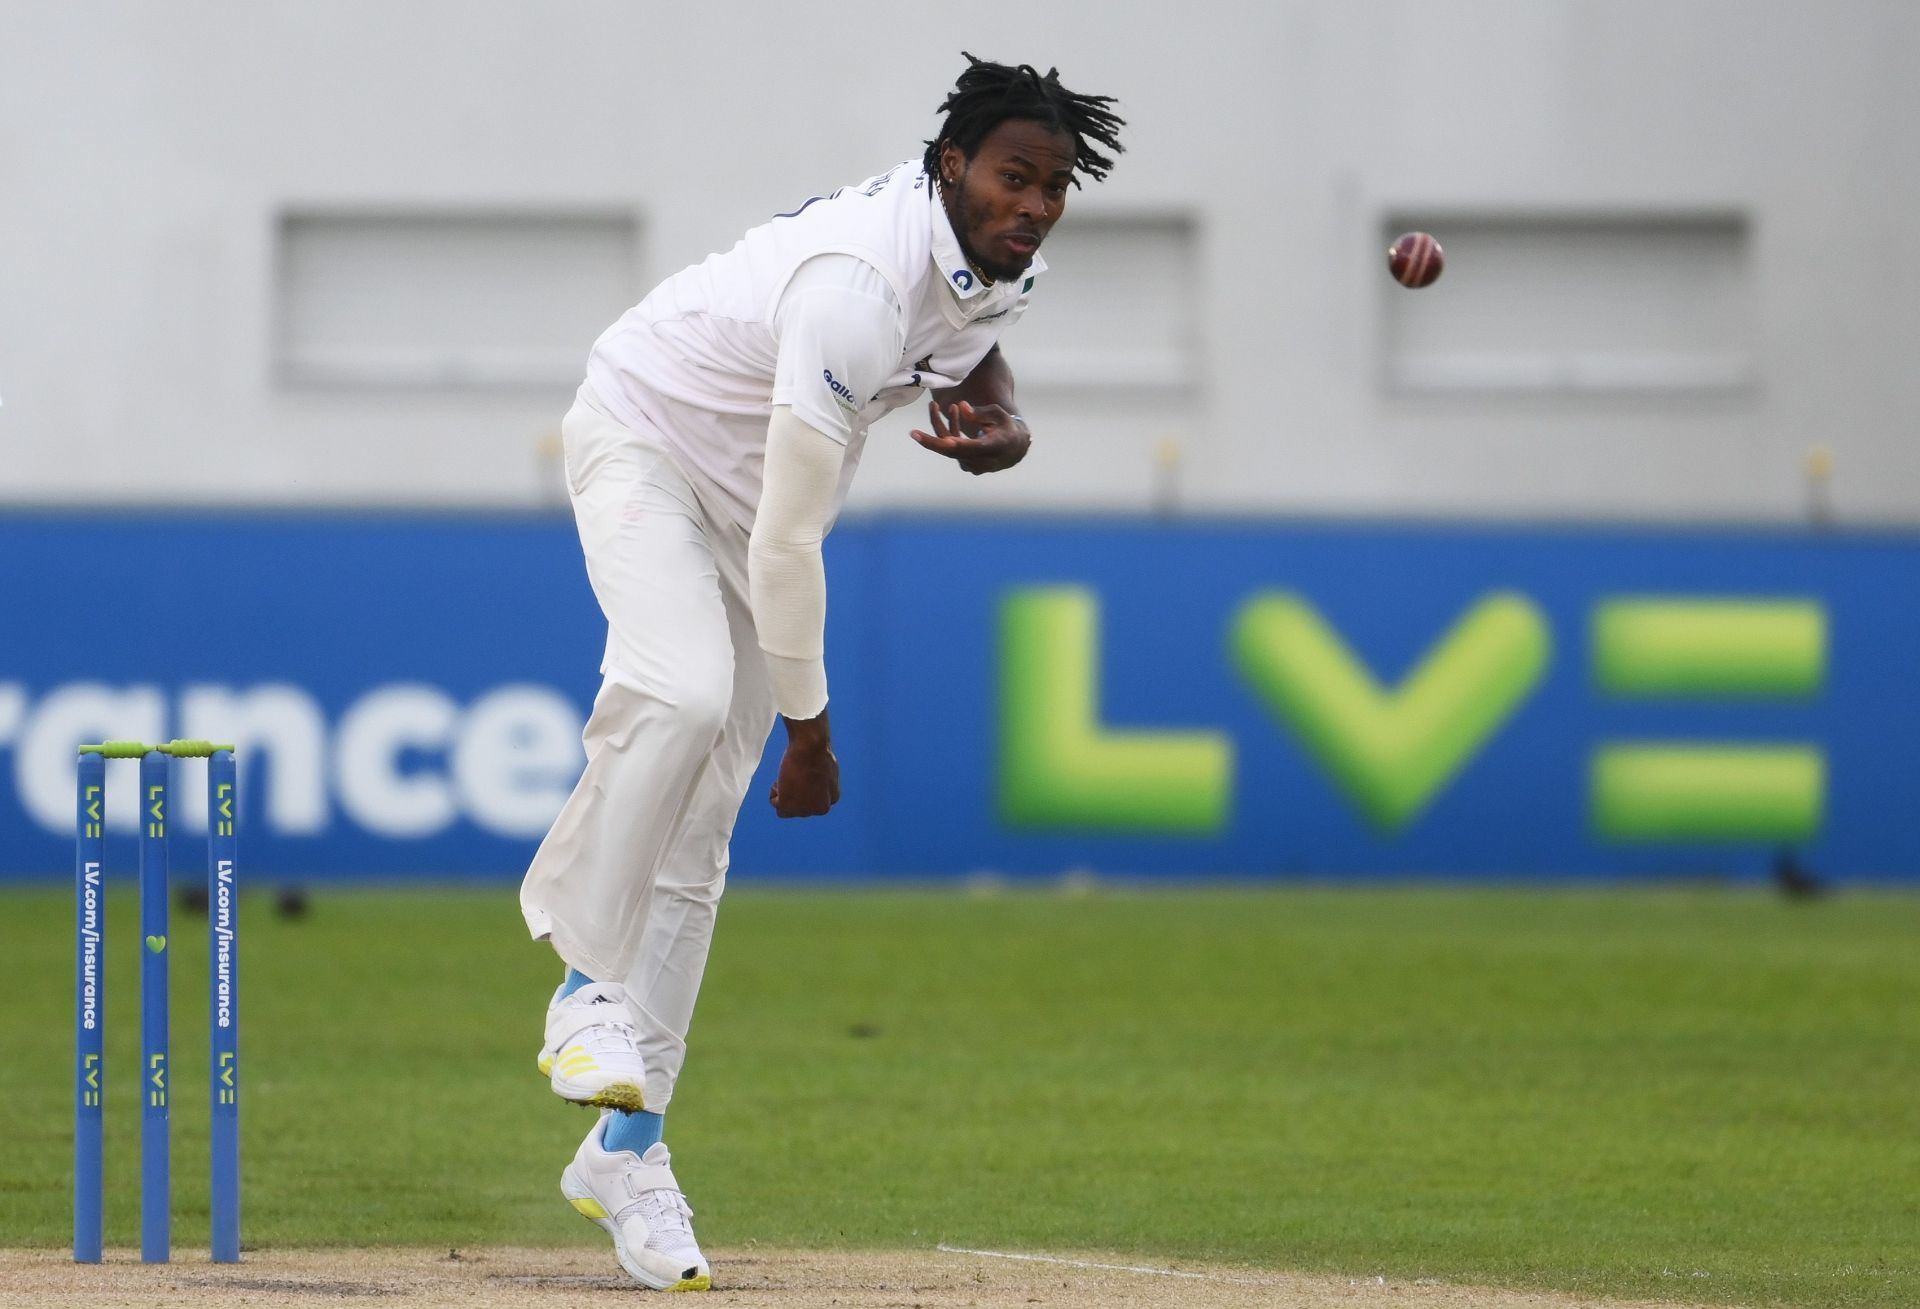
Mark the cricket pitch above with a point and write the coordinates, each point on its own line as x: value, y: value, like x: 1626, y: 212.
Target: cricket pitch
x: 744, y: 1279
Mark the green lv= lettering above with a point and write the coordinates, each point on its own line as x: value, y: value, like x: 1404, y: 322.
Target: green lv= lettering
x: 1392, y: 750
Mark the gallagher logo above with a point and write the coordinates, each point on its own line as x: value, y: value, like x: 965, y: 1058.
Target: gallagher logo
x: 963, y: 279
x: 839, y: 389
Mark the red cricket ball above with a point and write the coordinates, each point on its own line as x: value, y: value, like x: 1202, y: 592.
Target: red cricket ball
x: 1415, y: 260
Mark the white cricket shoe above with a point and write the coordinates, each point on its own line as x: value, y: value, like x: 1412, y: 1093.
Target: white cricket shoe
x: 634, y: 1199
x: 590, y: 1055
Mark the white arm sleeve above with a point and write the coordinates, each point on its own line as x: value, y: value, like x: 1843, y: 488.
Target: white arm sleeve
x: 840, y: 334
x: 786, y: 580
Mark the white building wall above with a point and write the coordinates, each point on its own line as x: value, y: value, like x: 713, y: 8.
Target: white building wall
x: 150, y: 153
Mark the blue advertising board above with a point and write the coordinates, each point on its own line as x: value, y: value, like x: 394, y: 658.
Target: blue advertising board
x: 1019, y: 696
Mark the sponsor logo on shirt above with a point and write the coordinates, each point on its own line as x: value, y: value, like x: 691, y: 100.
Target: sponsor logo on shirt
x: 841, y: 391
x: 963, y: 279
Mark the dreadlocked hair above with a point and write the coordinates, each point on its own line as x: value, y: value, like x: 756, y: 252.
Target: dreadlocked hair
x: 988, y: 94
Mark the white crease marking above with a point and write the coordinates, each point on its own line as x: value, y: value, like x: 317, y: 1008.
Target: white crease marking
x: 1107, y: 1268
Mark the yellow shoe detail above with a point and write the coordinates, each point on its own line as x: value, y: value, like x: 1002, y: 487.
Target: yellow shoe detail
x: 591, y: 1208
x: 621, y: 1095
x: 544, y: 1062
x: 704, y: 1282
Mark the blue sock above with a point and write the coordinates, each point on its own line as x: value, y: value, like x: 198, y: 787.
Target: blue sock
x: 634, y: 1131
x: 575, y: 980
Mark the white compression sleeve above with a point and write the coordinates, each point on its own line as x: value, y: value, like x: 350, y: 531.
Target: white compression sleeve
x: 786, y: 580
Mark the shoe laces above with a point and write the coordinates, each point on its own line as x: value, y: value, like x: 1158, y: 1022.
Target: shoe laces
x: 609, y: 1031
x: 669, y: 1219
x: 610, y: 1035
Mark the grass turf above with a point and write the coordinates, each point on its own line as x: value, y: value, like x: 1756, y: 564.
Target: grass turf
x: 1692, y: 1094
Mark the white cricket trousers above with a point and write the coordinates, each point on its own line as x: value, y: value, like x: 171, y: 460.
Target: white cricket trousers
x: 627, y: 882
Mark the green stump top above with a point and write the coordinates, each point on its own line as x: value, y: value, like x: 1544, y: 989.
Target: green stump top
x: 139, y: 749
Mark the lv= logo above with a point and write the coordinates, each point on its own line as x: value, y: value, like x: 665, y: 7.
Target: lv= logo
x: 1708, y: 650
x: 1392, y: 750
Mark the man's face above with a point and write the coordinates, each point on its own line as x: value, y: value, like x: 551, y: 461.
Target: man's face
x: 1004, y: 200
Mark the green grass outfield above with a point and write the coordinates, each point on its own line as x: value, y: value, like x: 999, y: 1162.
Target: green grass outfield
x: 1694, y: 1094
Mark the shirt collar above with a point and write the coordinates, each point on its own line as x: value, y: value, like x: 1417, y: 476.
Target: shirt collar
x: 953, y: 266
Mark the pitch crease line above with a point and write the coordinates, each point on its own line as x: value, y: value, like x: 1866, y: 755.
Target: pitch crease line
x: 1105, y: 1268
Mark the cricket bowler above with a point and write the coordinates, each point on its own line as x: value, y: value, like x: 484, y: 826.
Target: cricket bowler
x: 707, y: 456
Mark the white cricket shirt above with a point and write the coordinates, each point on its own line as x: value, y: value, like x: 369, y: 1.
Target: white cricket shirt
x: 885, y: 308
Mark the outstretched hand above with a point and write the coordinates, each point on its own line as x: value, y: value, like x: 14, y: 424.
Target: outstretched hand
x: 983, y: 440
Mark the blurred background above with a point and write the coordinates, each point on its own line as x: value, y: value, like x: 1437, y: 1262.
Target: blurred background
x: 1591, y: 560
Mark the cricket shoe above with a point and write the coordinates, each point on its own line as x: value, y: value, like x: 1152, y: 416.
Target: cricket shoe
x: 590, y: 1055
x: 634, y: 1199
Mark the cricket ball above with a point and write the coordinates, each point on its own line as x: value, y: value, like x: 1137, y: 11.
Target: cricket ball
x: 1415, y: 260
